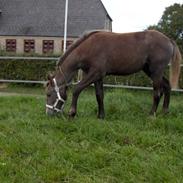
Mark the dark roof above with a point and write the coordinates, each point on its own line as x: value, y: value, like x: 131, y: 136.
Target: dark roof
x: 46, y: 17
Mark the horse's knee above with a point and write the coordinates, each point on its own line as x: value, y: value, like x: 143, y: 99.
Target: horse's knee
x: 157, y: 94
x: 76, y: 92
x: 166, y: 87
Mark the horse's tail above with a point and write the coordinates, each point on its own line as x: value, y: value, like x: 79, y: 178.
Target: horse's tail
x: 175, y: 66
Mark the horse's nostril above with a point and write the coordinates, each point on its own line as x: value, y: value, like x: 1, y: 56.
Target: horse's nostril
x: 49, y: 112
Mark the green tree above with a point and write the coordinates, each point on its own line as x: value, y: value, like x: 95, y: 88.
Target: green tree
x: 171, y: 24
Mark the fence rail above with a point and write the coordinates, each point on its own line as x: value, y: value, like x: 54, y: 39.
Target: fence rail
x: 21, y: 81
x: 28, y: 58
x: 56, y: 59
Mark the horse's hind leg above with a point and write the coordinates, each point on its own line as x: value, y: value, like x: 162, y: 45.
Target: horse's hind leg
x: 161, y: 88
x: 157, y: 87
x: 157, y: 94
x: 100, y: 96
x: 166, y: 91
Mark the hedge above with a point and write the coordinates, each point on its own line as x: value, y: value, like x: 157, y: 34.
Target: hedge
x: 26, y: 69
x: 38, y: 70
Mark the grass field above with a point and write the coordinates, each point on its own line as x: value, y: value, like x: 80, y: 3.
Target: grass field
x: 128, y: 146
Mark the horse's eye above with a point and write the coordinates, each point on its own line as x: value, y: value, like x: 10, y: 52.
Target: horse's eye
x: 48, y: 95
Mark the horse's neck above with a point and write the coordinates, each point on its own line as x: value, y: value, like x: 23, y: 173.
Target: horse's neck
x: 68, y: 70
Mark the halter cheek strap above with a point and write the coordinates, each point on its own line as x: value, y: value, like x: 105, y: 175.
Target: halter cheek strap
x: 59, y: 98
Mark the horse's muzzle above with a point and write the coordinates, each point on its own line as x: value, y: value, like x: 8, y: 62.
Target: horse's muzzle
x: 50, y: 112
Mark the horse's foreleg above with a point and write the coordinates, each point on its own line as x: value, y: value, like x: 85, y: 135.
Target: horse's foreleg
x: 89, y: 78
x: 100, y: 96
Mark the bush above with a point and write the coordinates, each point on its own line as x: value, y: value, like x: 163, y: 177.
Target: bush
x: 26, y: 69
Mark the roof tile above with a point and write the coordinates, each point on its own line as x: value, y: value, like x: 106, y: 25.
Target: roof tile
x: 46, y: 17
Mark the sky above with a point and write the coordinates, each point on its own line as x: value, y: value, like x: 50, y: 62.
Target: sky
x: 136, y: 15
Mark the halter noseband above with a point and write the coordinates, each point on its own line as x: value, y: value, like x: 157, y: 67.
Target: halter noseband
x: 59, y: 98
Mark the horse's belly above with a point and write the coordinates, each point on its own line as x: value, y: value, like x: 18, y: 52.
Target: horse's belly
x: 125, y: 69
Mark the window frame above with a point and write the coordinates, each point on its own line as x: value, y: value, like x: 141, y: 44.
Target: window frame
x: 29, y: 45
x: 48, y: 46
x: 11, y: 45
x: 68, y: 43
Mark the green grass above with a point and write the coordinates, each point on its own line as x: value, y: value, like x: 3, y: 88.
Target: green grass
x: 128, y: 146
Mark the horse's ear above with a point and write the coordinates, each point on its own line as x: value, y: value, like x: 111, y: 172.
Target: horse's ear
x: 49, y: 77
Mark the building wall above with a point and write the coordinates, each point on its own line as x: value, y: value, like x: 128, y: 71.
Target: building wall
x: 58, y: 41
x: 108, y: 24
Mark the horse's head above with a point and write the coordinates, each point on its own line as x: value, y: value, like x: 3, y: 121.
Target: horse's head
x: 56, y: 96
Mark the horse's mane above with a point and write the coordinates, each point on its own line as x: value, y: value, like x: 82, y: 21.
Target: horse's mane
x: 75, y: 45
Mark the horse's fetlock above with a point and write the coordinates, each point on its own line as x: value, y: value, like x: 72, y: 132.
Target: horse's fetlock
x: 72, y: 112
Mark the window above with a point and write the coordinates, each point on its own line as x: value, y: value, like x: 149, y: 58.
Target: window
x: 68, y: 43
x: 29, y: 45
x: 11, y: 45
x: 48, y: 46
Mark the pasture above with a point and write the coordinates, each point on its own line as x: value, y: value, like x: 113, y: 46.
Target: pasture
x: 128, y: 146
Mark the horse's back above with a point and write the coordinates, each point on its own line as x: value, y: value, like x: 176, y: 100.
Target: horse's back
x: 118, y: 53
x: 124, y: 53
x: 133, y: 45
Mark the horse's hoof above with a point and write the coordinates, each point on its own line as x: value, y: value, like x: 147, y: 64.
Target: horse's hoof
x: 165, y: 111
x: 72, y: 114
x: 101, y: 116
x: 152, y: 113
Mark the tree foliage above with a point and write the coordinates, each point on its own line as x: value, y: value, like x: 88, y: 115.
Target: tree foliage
x: 171, y: 24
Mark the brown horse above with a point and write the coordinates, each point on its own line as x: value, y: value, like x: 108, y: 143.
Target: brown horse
x: 101, y: 53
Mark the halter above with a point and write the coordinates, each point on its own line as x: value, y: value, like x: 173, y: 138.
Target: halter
x: 59, y: 98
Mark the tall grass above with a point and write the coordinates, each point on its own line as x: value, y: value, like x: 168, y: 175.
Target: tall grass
x: 128, y: 146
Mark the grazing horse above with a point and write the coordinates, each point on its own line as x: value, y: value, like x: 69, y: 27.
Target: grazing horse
x: 101, y: 53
